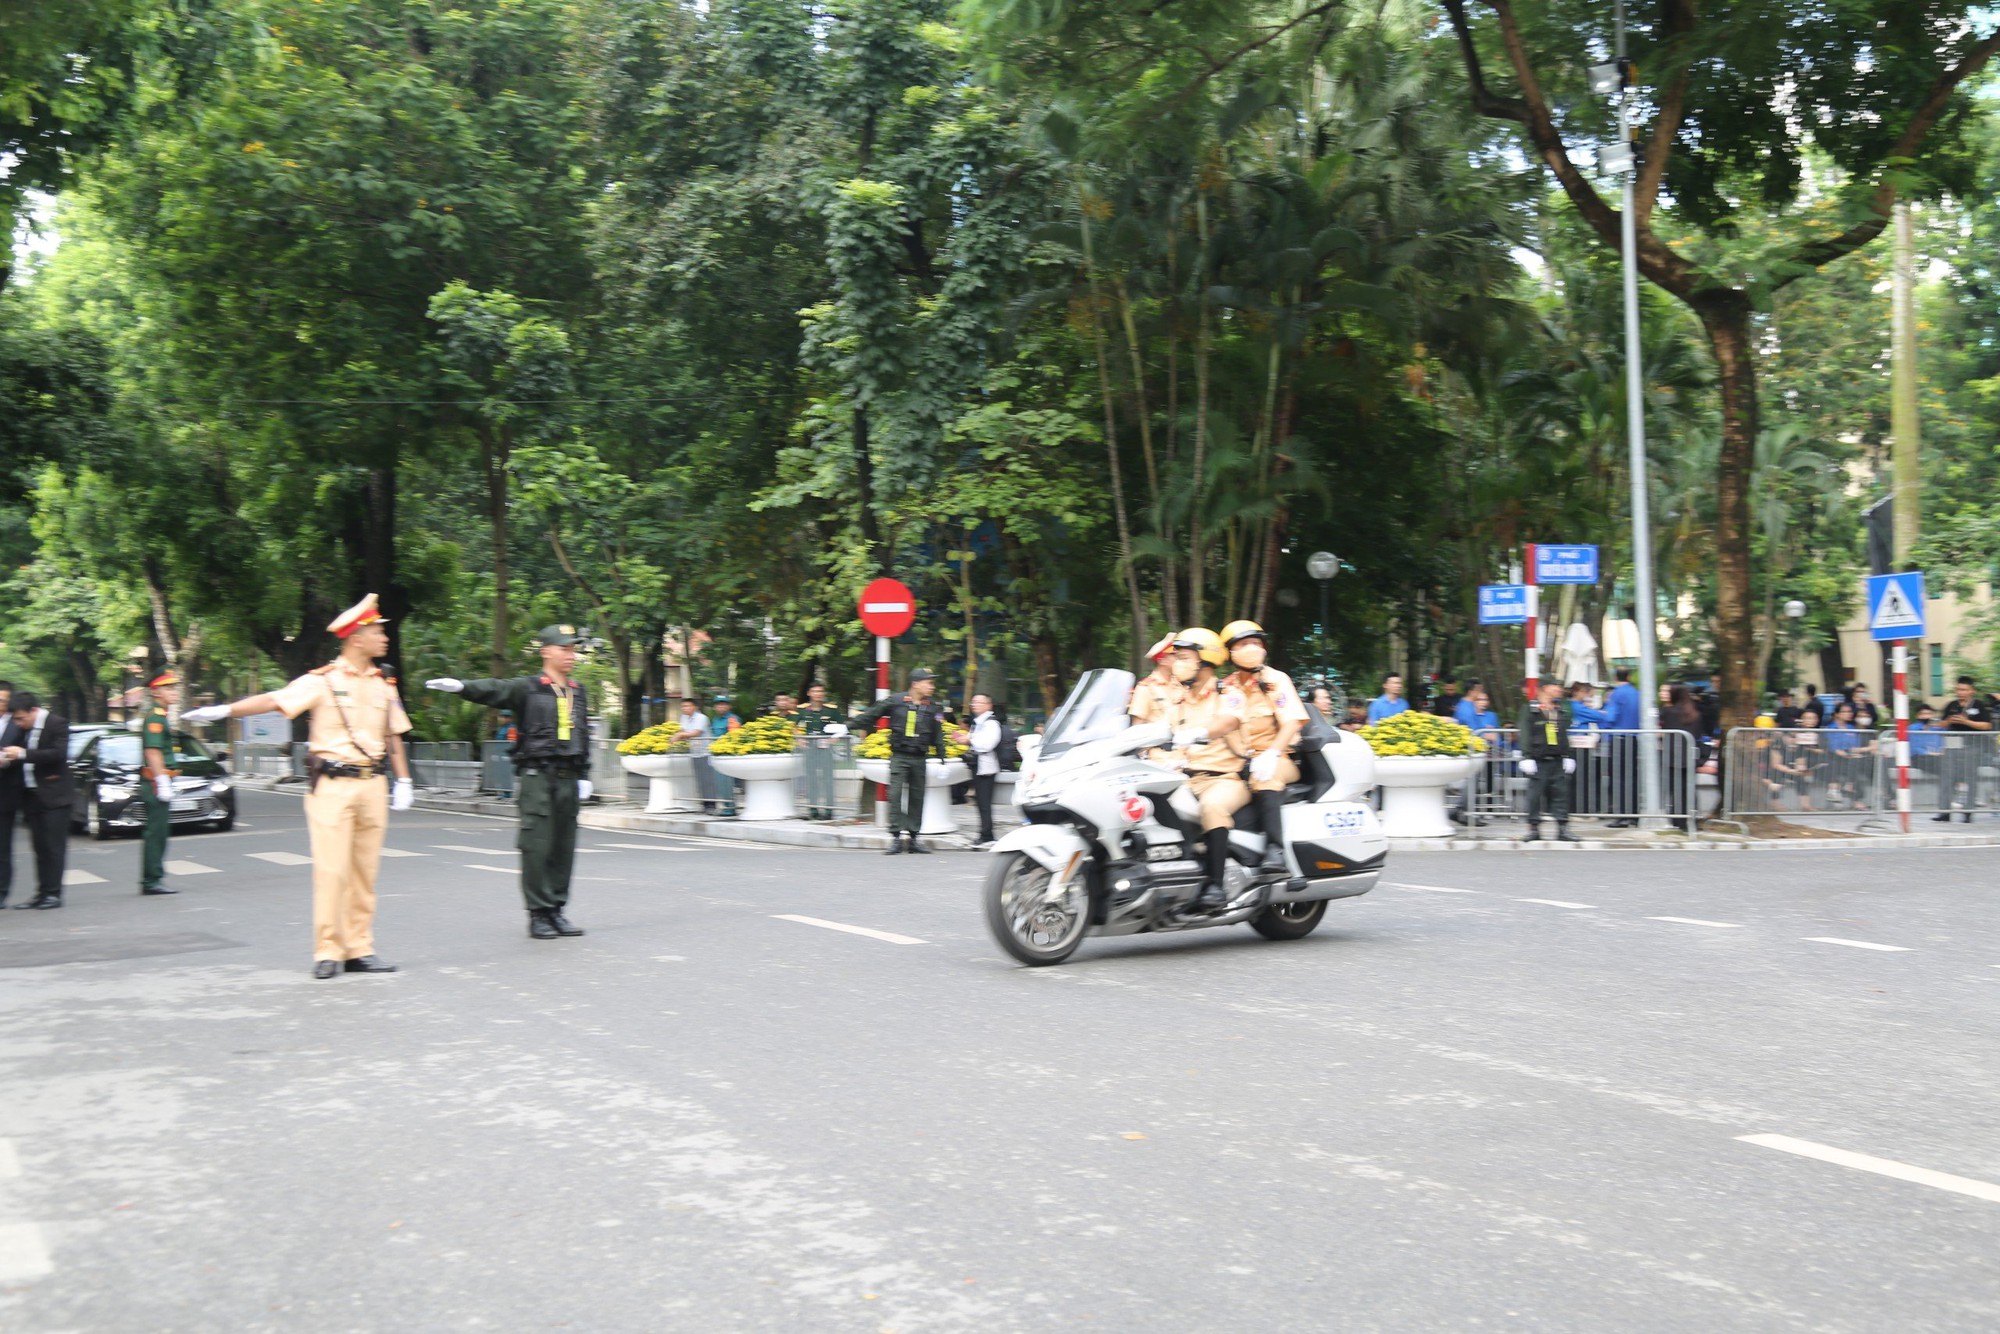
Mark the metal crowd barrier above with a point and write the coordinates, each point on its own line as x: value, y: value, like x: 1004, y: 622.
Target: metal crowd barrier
x: 1830, y: 773
x: 1606, y: 784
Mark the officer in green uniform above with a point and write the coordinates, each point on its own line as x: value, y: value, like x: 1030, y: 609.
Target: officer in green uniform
x: 156, y: 788
x: 916, y: 731
x: 813, y: 717
x: 551, y: 761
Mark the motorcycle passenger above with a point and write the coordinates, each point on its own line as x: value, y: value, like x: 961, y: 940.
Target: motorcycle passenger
x: 1273, y: 716
x: 1202, y: 728
x: 1154, y: 698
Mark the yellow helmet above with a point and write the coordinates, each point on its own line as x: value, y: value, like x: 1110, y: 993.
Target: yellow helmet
x: 1236, y: 632
x: 1204, y: 642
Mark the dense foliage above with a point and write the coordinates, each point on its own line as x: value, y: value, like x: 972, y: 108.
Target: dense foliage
x: 682, y: 320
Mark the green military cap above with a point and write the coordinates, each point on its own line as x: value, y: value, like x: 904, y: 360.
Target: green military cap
x: 560, y: 636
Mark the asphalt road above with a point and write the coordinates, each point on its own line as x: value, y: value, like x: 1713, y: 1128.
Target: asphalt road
x: 1505, y: 1092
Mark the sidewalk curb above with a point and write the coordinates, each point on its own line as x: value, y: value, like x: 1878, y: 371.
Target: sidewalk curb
x: 867, y: 838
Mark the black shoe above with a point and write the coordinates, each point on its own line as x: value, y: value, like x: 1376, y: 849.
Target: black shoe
x: 1621, y: 823
x: 1943, y: 817
x: 916, y: 846
x: 326, y: 968
x: 1965, y: 817
x: 1564, y: 836
x: 157, y: 889
x: 1274, y: 859
x: 369, y: 963
x: 1533, y: 835
x: 563, y: 926
x: 541, y: 928
x: 895, y: 846
x: 41, y: 901
x: 1213, y: 896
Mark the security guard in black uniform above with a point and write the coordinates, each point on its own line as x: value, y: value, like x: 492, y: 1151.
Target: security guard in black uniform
x: 551, y: 760
x: 916, y: 730
x: 1548, y: 761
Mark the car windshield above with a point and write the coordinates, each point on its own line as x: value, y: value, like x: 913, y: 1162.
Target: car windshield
x: 125, y: 750
x: 1093, y: 711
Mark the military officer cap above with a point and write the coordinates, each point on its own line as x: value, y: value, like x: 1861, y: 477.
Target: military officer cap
x: 559, y: 636
x: 922, y: 674
x: 365, y: 612
x: 166, y: 678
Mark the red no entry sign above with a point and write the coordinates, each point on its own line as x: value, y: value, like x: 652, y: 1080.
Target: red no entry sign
x: 887, y: 608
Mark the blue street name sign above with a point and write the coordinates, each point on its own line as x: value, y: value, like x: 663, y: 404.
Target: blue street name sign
x: 1503, y: 604
x: 1563, y: 565
x: 1896, y: 605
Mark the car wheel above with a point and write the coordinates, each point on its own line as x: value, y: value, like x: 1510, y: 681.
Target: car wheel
x: 222, y: 825
x: 94, y: 821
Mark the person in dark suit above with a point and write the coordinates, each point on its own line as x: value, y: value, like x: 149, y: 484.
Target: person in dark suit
x: 36, y: 785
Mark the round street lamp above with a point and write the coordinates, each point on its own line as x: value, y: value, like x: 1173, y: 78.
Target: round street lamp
x: 1322, y: 565
x: 1795, y: 609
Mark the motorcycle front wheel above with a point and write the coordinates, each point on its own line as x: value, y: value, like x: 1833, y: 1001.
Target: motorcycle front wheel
x: 1288, y: 921
x: 1029, y: 924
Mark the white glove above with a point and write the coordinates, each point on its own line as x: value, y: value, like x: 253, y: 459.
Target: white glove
x: 451, y: 685
x: 834, y: 729
x: 1569, y: 766
x: 583, y: 789
x: 1189, y: 736
x: 402, y: 795
x: 207, y: 713
x: 1528, y: 767
x: 1263, y: 766
x: 163, y: 787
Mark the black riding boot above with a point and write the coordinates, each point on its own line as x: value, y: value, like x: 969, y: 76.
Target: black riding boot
x: 1271, y: 815
x: 1215, y: 851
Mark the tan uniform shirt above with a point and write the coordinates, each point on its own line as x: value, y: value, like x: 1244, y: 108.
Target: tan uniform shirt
x: 353, y: 713
x: 1263, y: 711
x: 1205, y: 710
x: 1153, y: 700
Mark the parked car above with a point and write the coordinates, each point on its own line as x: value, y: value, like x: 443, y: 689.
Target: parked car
x: 80, y: 735
x: 108, y: 779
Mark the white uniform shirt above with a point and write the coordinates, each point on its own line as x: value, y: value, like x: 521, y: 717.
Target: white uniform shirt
x: 984, y: 742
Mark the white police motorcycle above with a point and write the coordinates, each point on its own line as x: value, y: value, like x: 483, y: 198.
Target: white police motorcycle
x: 1109, y: 844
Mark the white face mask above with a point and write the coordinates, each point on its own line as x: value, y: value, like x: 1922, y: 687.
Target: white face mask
x: 1249, y: 655
x: 1185, y: 669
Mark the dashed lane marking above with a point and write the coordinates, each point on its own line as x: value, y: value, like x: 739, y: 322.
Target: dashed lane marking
x: 10, y: 1161
x: 638, y: 847
x: 1888, y: 1167
x: 281, y: 858
x: 398, y: 852
x: 1435, y: 889
x: 77, y: 877
x: 503, y: 870
x: 1556, y: 903
x: 870, y: 932
x: 1859, y: 944
x: 484, y: 852
x: 189, y: 868
x: 1695, y: 921
x: 22, y: 1254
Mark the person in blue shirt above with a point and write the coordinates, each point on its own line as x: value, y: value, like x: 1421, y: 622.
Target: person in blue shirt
x: 1623, y: 704
x: 722, y: 720
x: 1850, y: 750
x: 1475, y: 712
x: 1621, y: 756
x: 1594, y: 765
x: 1390, y: 702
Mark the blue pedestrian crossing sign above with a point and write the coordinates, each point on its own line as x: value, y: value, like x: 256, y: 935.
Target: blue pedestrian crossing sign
x: 1551, y: 564
x: 1896, y: 605
x: 1503, y: 604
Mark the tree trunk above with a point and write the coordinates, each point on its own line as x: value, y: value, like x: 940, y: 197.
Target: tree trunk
x: 1119, y: 512
x: 1725, y: 314
x: 1195, y: 590
x: 493, y: 449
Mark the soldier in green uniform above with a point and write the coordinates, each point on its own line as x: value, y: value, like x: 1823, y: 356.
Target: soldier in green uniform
x: 813, y: 718
x: 552, y: 762
x: 156, y: 789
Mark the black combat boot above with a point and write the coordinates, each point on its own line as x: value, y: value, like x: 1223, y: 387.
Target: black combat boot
x: 1271, y: 814
x: 562, y: 924
x: 1563, y: 835
x: 895, y: 844
x: 541, y: 928
x: 1214, y: 890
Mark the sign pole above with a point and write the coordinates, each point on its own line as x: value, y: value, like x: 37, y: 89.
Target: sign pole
x: 1534, y: 663
x: 881, y: 693
x: 1901, y: 660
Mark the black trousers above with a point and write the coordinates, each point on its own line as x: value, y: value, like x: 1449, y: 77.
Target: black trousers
x: 982, y: 793
x: 48, y: 834
x: 1548, y: 789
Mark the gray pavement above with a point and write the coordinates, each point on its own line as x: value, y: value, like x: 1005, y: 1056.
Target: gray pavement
x: 1495, y: 1093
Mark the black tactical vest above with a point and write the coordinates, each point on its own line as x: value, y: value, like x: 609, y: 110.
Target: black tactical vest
x: 538, y: 742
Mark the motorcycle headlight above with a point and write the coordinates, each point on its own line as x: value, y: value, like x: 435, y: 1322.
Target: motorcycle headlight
x: 218, y: 786
x: 113, y: 792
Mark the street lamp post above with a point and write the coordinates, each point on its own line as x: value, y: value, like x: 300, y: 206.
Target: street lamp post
x: 1323, y: 565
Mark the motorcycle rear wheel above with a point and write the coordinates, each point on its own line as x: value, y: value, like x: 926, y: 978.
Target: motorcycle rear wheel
x: 1289, y: 921
x: 1034, y: 929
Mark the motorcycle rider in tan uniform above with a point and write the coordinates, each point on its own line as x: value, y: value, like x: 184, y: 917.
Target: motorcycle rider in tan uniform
x: 1273, y: 716
x: 1154, y: 698
x: 1203, y: 724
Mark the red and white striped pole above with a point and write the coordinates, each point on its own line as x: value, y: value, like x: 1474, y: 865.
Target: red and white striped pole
x: 1534, y: 666
x: 881, y: 693
x: 1901, y: 664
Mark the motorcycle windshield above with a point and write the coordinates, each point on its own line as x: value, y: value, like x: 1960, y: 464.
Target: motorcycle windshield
x: 1093, y: 711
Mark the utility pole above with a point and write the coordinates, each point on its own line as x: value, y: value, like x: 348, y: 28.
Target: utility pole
x: 1908, y: 507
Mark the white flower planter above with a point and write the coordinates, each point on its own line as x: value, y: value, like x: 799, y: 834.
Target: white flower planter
x: 1413, y: 792
x: 940, y: 777
x: 672, y: 782
x: 767, y: 784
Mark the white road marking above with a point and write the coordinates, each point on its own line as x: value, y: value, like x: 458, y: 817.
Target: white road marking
x: 503, y: 870
x: 1557, y: 903
x: 889, y: 936
x: 76, y: 877
x: 1859, y: 944
x: 10, y: 1161
x: 398, y: 852
x: 637, y: 847
x: 22, y: 1254
x: 1435, y: 889
x: 1694, y: 921
x: 1888, y: 1167
x: 281, y: 858
x: 484, y: 852
x: 189, y: 868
